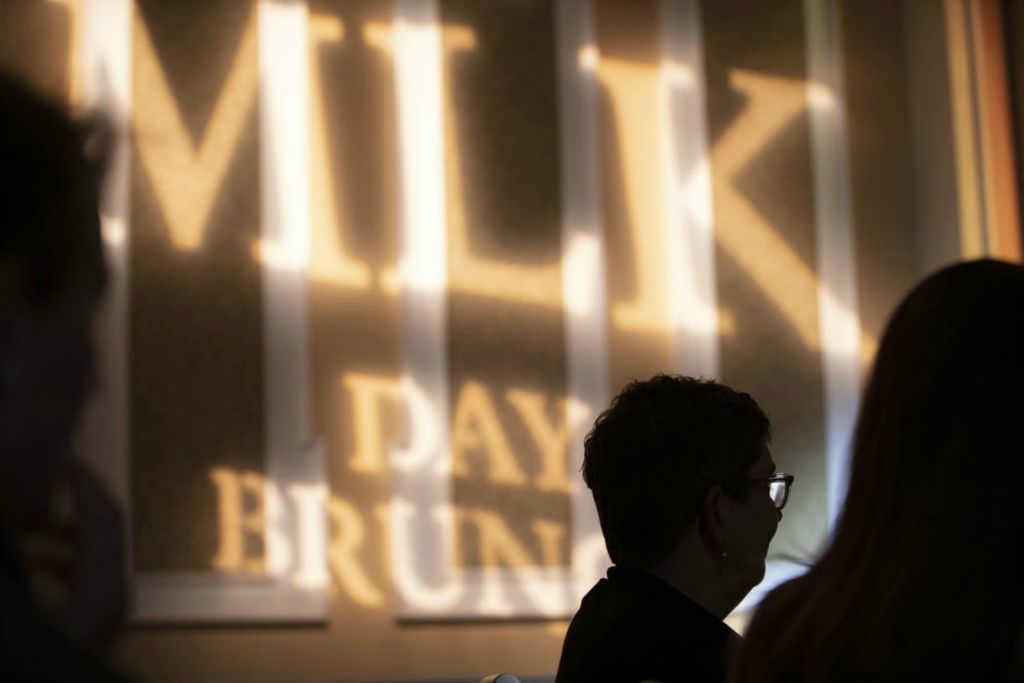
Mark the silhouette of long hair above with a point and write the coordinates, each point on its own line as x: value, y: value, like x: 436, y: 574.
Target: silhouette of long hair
x: 923, y: 577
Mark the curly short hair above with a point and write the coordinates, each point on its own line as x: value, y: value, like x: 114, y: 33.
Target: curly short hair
x: 654, y: 453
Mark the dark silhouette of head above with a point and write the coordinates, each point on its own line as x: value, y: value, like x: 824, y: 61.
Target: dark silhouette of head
x: 923, y: 574
x: 652, y: 456
x: 51, y: 278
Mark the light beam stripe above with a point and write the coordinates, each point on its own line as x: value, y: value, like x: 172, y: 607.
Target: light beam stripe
x: 836, y: 258
x: 106, y: 77
x: 689, y: 212
x: 422, y: 534
x: 583, y: 270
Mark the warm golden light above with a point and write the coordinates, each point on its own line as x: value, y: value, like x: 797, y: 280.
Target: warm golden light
x: 499, y: 546
x: 476, y: 428
x: 329, y: 260
x: 772, y: 103
x: 381, y: 36
x: 242, y: 515
x: 370, y: 394
x: 552, y: 536
x: 237, y: 494
x: 187, y: 180
x: 468, y: 272
x: 347, y: 534
x: 378, y: 35
x: 551, y: 438
x: 634, y: 91
x: 324, y: 28
x: 74, y: 48
x: 969, y: 199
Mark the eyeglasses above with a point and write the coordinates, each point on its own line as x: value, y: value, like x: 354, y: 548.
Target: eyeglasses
x: 778, y: 487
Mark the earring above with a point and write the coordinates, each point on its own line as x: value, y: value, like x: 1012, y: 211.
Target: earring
x: 723, y: 557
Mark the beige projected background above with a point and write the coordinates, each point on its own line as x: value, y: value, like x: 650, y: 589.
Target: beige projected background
x: 506, y: 339
x: 195, y: 330
x: 196, y: 350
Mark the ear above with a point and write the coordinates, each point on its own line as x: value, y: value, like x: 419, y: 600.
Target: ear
x: 710, y: 521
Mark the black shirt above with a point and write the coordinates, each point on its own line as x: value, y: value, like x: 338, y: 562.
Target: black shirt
x: 633, y: 627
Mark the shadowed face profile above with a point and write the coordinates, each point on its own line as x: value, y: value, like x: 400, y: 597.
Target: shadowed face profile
x: 749, y: 523
x: 689, y: 499
x: 51, y: 281
x: 680, y: 470
x: 46, y: 373
x: 62, y: 564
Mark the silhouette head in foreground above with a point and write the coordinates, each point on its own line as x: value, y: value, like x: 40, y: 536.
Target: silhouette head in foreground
x: 689, y: 499
x: 61, y: 565
x: 922, y: 579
